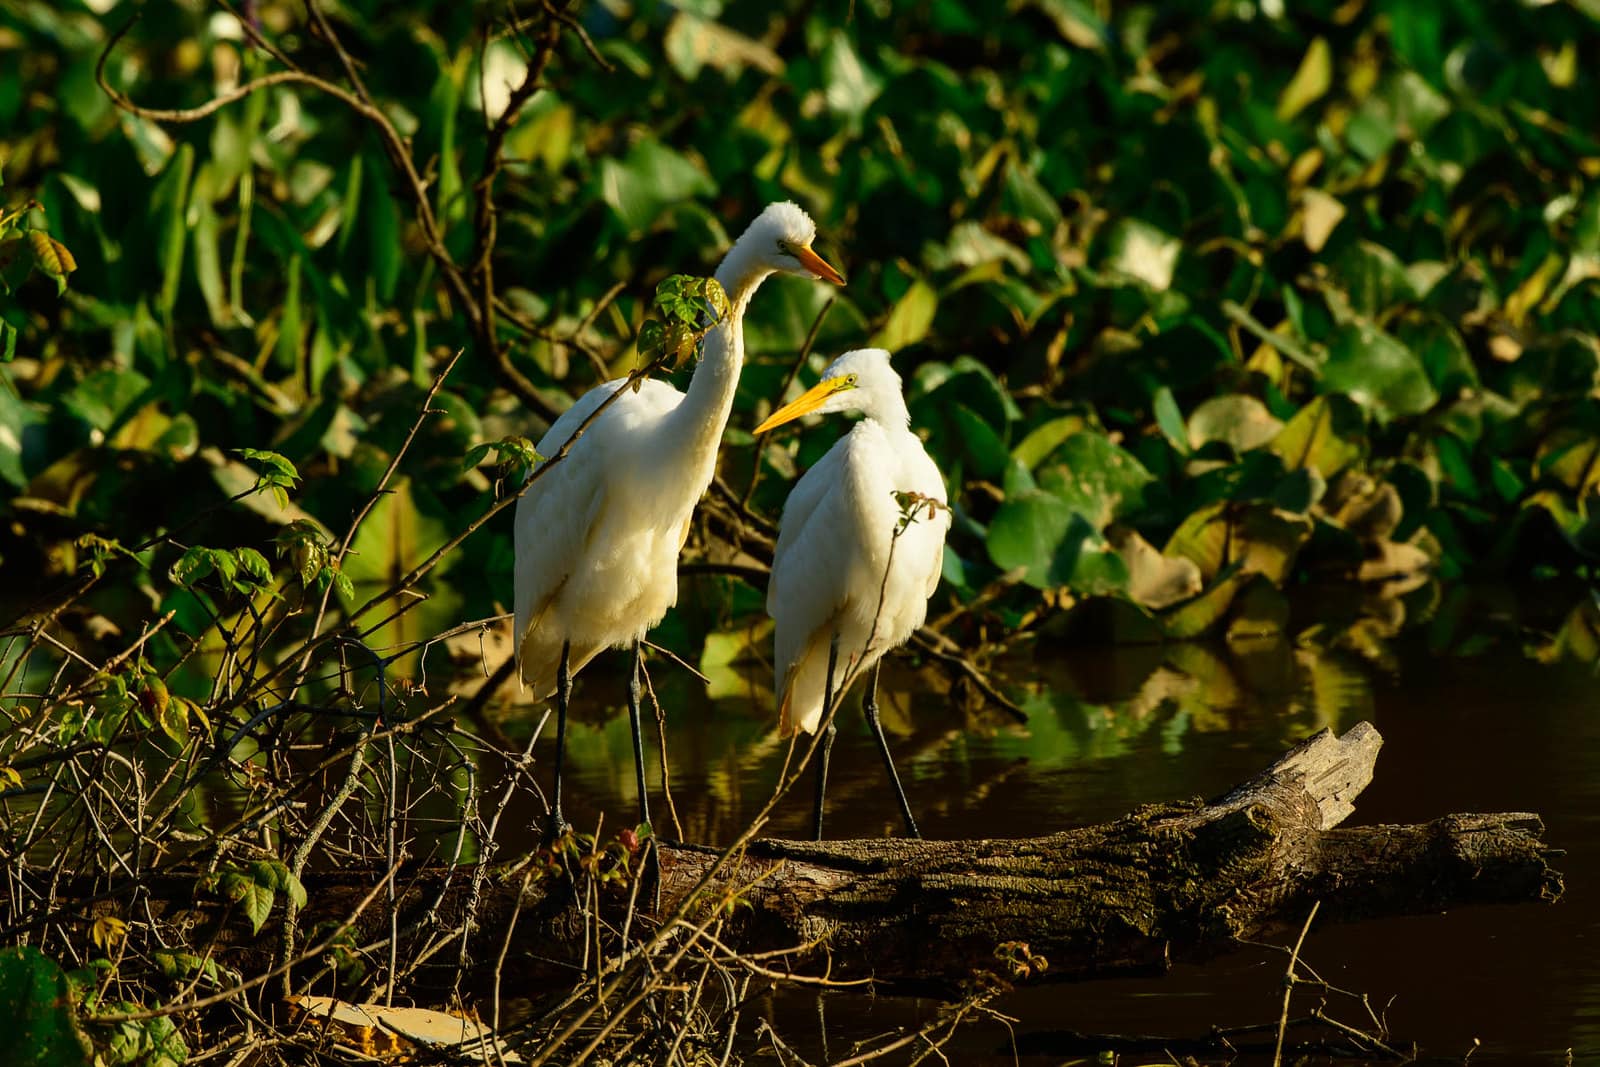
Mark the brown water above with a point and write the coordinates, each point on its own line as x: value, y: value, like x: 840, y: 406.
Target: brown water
x: 1114, y: 728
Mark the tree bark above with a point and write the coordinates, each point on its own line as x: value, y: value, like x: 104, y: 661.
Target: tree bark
x: 1179, y: 881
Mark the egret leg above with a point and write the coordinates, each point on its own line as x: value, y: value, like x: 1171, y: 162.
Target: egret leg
x: 558, y: 823
x: 829, y: 731
x: 870, y: 706
x: 634, y: 691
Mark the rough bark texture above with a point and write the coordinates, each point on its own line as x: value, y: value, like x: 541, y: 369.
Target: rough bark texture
x: 1166, y: 882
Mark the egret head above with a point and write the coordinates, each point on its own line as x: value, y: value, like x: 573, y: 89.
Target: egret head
x: 780, y: 239
x: 860, y: 380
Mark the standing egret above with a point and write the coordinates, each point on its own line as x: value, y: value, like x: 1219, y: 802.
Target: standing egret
x: 598, y: 535
x: 853, y: 570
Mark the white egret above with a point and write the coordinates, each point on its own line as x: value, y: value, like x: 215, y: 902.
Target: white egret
x: 857, y: 558
x: 598, y: 535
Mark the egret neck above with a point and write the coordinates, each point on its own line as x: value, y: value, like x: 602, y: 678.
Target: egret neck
x: 695, y: 427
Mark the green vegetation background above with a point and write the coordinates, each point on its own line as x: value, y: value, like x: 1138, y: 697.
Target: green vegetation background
x: 1193, y: 301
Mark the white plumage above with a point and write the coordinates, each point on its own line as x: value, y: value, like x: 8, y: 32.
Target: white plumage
x: 839, y: 570
x: 598, y: 534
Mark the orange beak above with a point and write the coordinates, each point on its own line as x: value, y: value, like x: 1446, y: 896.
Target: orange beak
x: 817, y: 265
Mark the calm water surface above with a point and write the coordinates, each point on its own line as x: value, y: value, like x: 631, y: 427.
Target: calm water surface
x: 1111, y: 729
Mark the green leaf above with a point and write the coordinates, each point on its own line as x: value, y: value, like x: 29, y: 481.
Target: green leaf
x: 102, y: 398
x: 205, y: 226
x: 254, y: 565
x: 1256, y: 538
x: 294, y: 889
x: 171, y: 199
x: 910, y: 319
x: 1094, y: 477
x: 290, y: 328
x: 1373, y: 278
x: 173, y: 718
x: 849, y: 87
x: 980, y: 443
x: 36, y: 1003
x: 256, y: 900
x: 1053, y: 545
x: 193, y: 565
x: 1197, y: 617
x: 1170, y: 420
x: 19, y: 426
x: 1378, y: 372
x: 647, y: 180
x: 1043, y: 439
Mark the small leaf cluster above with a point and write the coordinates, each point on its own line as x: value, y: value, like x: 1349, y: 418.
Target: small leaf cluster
x: 310, y: 552
x: 515, y: 459
x: 255, y: 887
x: 687, y: 308
x: 139, y: 691
x: 238, y: 570
x: 275, y: 474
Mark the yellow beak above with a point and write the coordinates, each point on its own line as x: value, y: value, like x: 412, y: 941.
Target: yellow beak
x: 817, y: 265
x: 804, y: 404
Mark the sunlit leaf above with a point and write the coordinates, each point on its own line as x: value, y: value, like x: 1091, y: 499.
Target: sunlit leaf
x: 1095, y: 477
x: 1142, y: 251
x: 1241, y: 421
x: 1324, y: 434
x: 1310, y: 81
x: 909, y: 320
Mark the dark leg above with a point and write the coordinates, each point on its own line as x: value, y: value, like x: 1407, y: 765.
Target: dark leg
x: 829, y: 731
x: 634, y: 690
x: 870, y: 706
x: 558, y: 823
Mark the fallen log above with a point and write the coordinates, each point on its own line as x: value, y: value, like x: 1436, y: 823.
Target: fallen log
x: 1168, y: 882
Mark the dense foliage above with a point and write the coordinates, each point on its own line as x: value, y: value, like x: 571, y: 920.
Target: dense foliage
x: 1196, y: 304
x: 1269, y: 290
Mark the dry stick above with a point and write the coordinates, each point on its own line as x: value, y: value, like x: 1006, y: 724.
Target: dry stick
x: 1283, y: 344
x: 1288, y: 984
x: 661, y: 738
x: 505, y: 945
x: 794, y: 372
x: 261, y: 979
x: 928, y: 642
x: 486, y: 855
x: 372, y: 500
x: 486, y: 226
x: 297, y: 862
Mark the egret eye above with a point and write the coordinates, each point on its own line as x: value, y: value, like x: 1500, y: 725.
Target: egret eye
x: 849, y: 381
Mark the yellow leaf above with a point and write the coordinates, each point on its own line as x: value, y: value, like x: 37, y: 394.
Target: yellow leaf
x: 107, y: 931
x: 1321, y: 213
x: 1532, y: 289
x: 51, y: 255
x: 1310, y: 82
x: 9, y: 774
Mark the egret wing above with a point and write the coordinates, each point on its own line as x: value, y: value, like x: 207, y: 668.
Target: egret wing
x: 556, y: 516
